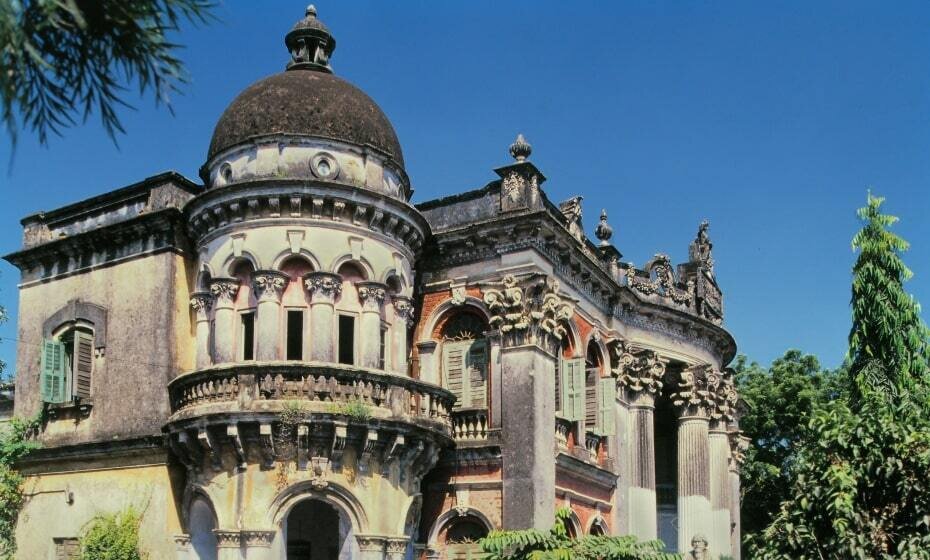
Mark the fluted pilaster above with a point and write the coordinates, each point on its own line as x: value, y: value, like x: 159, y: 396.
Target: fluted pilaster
x: 403, y: 313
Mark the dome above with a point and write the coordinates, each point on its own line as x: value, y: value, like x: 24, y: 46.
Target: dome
x: 306, y: 103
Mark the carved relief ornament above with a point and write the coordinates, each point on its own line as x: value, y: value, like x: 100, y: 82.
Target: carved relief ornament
x: 201, y: 303
x: 269, y: 284
x: 662, y: 282
x: 324, y: 285
x: 403, y: 309
x: 528, y: 314
x: 692, y: 395
x: 224, y: 289
x: 638, y: 373
x: 371, y: 294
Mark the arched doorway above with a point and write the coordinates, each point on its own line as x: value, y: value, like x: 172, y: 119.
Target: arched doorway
x: 201, y: 522
x: 462, y: 536
x: 316, y: 531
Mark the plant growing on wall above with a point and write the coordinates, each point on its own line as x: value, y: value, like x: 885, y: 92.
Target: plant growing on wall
x: 112, y: 536
x: 556, y: 544
x: 15, y: 443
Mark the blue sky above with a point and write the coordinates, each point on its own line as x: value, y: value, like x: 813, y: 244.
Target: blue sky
x: 769, y: 119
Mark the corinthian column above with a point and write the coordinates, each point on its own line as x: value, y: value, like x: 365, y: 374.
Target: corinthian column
x: 723, y: 392
x: 201, y: 303
x: 403, y: 313
x: 738, y: 446
x: 371, y: 296
x: 224, y: 291
x: 324, y: 288
x: 693, y: 457
x: 269, y: 286
x: 640, y: 376
x: 527, y: 314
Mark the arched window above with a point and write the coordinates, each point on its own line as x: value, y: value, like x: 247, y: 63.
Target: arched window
x: 600, y: 394
x: 295, y: 303
x: 465, y: 359
x: 347, y: 309
x: 245, y: 304
x: 569, y: 381
x: 462, y: 536
x: 68, y: 363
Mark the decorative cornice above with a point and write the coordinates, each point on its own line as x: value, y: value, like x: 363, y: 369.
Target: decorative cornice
x: 261, y: 539
x: 323, y: 286
x: 224, y: 290
x: 528, y: 311
x: 269, y: 284
x: 227, y: 539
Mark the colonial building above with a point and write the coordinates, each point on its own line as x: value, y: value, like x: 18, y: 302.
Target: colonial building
x: 288, y: 359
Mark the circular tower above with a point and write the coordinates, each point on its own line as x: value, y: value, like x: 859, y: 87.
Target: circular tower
x: 300, y: 418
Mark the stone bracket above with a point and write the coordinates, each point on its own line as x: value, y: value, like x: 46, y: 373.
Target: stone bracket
x: 340, y: 435
x: 391, y: 452
x: 368, y: 446
x: 232, y: 432
x: 208, y: 445
x: 267, y: 441
x: 303, y: 446
x: 409, y: 455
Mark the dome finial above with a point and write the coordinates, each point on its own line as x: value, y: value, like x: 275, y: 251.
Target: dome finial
x: 603, y: 231
x: 310, y: 43
x: 520, y: 149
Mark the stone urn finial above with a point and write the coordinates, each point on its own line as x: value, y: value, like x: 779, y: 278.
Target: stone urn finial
x: 603, y: 231
x: 520, y: 149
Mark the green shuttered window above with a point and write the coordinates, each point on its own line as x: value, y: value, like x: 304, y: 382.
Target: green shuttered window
x: 54, y: 374
x: 606, y: 410
x: 572, y: 381
x: 465, y: 364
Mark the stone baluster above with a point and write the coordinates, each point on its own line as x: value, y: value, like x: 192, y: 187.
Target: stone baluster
x: 693, y: 406
x: 640, y: 377
x: 403, y: 313
x: 224, y: 291
x: 202, y: 303
x: 269, y: 286
x: 371, y: 296
x: 324, y: 288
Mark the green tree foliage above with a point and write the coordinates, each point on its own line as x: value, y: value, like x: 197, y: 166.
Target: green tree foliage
x: 556, y: 544
x: 780, y: 401
x: 113, y: 536
x: 886, y: 325
x: 15, y: 443
x: 62, y: 60
x: 859, y: 484
x: 861, y: 488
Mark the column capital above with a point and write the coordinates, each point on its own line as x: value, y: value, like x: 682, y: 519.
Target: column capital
x: 323, y: 286
x: 371, y: 295
x: 528, y: 310
x: 202, y: 303
x: 691, y: 396
x: 739, y: 444
x: 261, y: 538
x: 403, y: 309
x: 227, y: 539
x: 397, y: 546
x: 269, y: 284
x: 224, y: 290
x: 182, y: 541
x: 370, y: 543
x: 639, y: 372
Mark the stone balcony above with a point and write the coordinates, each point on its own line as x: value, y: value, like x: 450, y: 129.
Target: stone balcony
x: 245, y: 404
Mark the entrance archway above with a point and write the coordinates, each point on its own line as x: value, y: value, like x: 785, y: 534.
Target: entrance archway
x: 201, y: 523
x: 316, y: 531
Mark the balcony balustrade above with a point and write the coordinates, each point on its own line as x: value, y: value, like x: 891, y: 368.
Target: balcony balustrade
x: 470, y: 425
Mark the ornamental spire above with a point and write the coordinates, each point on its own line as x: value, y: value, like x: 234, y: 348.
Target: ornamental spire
x: 310, y: 44
x: 603, y: 231
x: 520, y: 149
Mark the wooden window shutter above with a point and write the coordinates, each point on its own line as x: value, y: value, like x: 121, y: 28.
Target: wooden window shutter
x: 477, y: 374
x: 558, y: 387
x: 606, y: 419
x: 83, y: 363
x: 573, y: 389
x: 53, y: 376
x: 453, y: 361
x: 590, y: 398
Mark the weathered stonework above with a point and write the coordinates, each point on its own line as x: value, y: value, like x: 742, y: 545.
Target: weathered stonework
x: 293, y: 345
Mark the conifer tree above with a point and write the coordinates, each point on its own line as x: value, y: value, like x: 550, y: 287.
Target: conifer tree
x: 886, y: 325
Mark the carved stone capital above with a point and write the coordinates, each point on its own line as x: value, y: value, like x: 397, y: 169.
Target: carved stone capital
x: 528, y: 311
x: 202, y: 303
x: 182, y: 541
x: 370, y: 543
x: 693, y: 396
x: 269, y: 284
x: 262, y: 539
x: 224, y: 290
x: 639, y: 373
x: 323, y: 286
x: 396, y: 545
x: 739, y: 444
x: 227, y: 539
x: 403, y: 309
x: 371, y: 295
